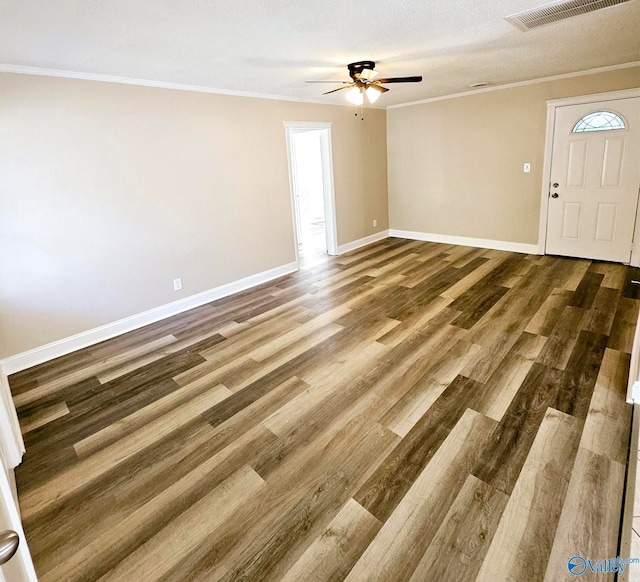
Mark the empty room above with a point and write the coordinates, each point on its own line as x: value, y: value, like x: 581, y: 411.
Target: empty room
x: 319, y: 291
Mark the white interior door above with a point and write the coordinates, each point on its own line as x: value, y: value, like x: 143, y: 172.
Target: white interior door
x: 595, y: 177
x: 20, y: 567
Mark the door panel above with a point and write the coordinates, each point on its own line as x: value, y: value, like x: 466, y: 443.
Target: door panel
x: 576, y: 168
x: 593, y: 211
x: 606, y: 222
x: 612, y: 163
x: 571, y: 221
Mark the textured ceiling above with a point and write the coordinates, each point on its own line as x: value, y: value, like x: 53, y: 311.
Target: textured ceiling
x: 273, y: 46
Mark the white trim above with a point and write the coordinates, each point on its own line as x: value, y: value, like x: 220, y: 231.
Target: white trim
x: 331, y: 227
x: 64, y: 346
x: 518, y: 84
x: 20, y: 568
x: 43, y: 72
x: 594, y: 97
x: 633, y: 397
x: 292, y: 196
x: 633, y: 387
x: 546, y: 180
x: 308, y: 125
x: 330, y: 216
x: 362, y: 242
x: 11, y: 442
x: 552, y: 105
x: 482, y: 243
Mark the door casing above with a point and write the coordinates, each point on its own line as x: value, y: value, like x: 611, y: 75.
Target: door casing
x: 327, y: 178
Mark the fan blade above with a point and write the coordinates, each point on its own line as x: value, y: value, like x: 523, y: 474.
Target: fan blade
x: 400, y: 80
x: 338, y: 89
x: 343, y: 82
x: 380, y: 87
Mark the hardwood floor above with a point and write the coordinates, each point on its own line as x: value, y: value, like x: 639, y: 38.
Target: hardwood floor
x: 408, y: 412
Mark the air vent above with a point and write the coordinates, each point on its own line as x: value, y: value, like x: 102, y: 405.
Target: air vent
x: 558, y: 11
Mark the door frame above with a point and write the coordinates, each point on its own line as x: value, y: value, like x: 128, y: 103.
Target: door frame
x: 11, y: 443
x: 552, y: 105
x: 331, y: 230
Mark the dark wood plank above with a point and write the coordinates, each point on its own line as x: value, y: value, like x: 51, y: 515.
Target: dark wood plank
x: 579, y: 379
x: 475, y: 303
x: 587, y: 290
x: 389, y: 483
x: 503, y: 459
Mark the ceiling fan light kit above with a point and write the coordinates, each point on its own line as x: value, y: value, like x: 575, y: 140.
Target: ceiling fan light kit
x: 364, y: 81
x: 354, y: 95
x: 373, y: 92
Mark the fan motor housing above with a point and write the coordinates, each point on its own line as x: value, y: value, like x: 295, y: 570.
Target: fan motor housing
x: 355, y: 69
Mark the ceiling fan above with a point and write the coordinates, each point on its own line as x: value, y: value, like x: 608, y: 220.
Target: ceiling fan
x: 364, y: 82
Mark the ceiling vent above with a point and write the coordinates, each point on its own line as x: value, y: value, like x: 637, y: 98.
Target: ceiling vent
x: 558, y: 11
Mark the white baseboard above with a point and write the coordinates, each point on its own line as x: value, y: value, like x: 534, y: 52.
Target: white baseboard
x: 482, y: 243
x: 36, y: 356
x: 362, y: 242
x: 633, y: 395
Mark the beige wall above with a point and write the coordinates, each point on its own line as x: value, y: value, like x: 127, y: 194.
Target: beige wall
x: 108, y: 192
x: 455, y: 166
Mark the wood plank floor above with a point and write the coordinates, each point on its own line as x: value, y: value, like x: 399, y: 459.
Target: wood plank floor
x: 408, y: 412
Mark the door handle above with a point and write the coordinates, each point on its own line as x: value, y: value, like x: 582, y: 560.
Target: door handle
x: 9, y: 542
x: 554, y: 195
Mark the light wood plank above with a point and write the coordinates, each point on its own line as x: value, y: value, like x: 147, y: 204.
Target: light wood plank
x: 522, y: 543
x: 614, y: 275
x: 44, y: 416
x: 332, y: 554
x: 604, y: 432
x: 403, y: 539
x: 465, y: 534
x: 184, y: 533
x: 584, y: 529
x: 144, y: 416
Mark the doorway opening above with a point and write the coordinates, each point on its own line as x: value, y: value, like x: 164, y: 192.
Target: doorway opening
x: 311, y: 178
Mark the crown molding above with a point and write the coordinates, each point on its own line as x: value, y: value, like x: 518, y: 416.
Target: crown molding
x: 43, y: 72
x: 517, y: 84
x: 594, y: 97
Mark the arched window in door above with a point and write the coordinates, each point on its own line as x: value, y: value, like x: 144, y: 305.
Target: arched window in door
x: 599, y: 121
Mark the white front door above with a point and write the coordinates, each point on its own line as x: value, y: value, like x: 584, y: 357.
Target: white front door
x: 595, y: 177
